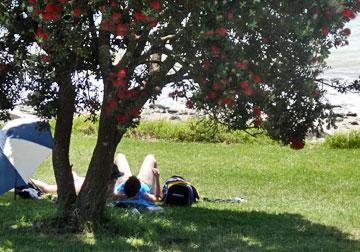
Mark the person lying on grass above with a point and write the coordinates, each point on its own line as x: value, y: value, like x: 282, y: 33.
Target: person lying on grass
x: 52, y: 189
x: 145, y: 186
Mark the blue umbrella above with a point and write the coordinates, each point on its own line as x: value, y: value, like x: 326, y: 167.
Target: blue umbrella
x: 24, y: 144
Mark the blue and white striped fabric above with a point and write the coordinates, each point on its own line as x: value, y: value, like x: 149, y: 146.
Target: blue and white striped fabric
x: 23, y: 147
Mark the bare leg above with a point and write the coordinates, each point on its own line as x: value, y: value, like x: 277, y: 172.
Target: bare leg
x: 78, y: 182
x: 146, y: 171
x: 44, y: 187
x: 123, y: 166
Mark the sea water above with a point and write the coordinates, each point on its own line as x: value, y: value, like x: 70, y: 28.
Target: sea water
x: 344, y: 64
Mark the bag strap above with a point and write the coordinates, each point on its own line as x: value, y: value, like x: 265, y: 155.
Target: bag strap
x: 172, y: 183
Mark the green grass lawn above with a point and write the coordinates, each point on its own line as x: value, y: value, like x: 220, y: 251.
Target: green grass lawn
x: 305, y: 200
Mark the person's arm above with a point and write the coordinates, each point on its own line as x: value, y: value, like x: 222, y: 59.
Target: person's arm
x: 118, y: 192
x: 158, y: 192
x: 119, y: 195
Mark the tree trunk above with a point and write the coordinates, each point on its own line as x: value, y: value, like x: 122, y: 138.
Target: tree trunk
x: 92, y: 197
x: 62, y: 136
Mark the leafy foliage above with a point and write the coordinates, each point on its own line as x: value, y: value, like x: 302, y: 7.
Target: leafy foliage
x: 344, y: 140
x: 244, y: 62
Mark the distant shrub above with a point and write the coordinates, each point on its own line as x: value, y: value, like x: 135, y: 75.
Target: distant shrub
x: 344, y: 140
x: 81, y: 125
x: 194, y: 130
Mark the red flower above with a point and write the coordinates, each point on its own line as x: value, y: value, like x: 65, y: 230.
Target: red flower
x: 257, y: 122
x: 228, y: 101
x: 139, y: 16
x: 131, y: 93
x: 102, y: 8
x: 244, y: 84
x: 346, y: 32
x: 112, y: 105
x: 135, y: 112
x: 212, y: 95
x: 31, y: 2
x: 115, y: 17
x: 45, y: 58
x: 41, y: 34
x: 317, y: 10
x: 221, y: 31
x: 155, y: 5
x: 297, y: 143
x: 189, y: 104
x: 256, y: 78
x: 209, y: 33
x: 119, y: 83
x: 122, y: 118
x: 121, y: 73
x: 349, y: 13
x: 216, y: 86
x: 325, y: 30
x: 77, y: 12
x: 241, y: 65
x: 248, y: 91
x: 112, y: 4
x: 206, y: 64
x: 153, y: 23
x: 53, y: 7
x: 257, y: 111
x: 51, y: 12
x: 214, y: 51
x: 105, y: 25
x: 121, y: 30
x: 337, y: 42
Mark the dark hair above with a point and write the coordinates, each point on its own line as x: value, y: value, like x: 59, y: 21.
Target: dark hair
x: 132, y: 186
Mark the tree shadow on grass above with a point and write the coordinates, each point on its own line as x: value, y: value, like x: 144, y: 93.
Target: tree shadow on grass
x: 204, y: 229
x: 183, y: 229
x: 17, y: 232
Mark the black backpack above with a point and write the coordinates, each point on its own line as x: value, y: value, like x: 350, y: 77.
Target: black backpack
x: 179, y: 192
x: 29, y: 191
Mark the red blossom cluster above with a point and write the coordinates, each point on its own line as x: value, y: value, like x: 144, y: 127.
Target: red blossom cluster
x: 297, y: 143
x: 119, y: 23
x: 348, y: 13
x: 257, y: 114
x: 41, y: 34
x: 223, y: 92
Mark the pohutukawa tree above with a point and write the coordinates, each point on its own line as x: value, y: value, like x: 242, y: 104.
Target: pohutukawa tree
x: 245, y: 63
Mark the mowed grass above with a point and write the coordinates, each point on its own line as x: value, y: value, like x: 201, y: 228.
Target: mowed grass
x: 305, y: 200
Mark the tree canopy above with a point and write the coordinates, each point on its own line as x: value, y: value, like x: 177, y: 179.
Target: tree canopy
x: 246, y: 63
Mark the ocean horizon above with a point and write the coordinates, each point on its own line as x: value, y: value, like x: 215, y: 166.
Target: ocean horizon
x: 343, y: 63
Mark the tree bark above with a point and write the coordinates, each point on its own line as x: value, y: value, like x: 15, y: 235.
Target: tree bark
x: 92, y: 197
x: 62, y: 137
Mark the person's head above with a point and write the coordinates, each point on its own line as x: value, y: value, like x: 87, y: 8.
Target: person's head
x: 132, y: 186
